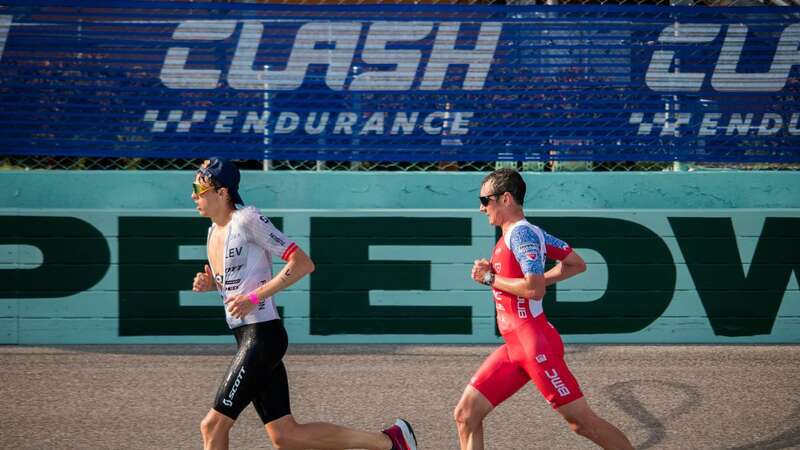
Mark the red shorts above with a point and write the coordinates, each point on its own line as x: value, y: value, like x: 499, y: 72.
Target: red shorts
x: 534, y: 351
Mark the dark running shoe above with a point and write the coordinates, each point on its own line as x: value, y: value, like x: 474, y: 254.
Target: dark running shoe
x: 401, y: 435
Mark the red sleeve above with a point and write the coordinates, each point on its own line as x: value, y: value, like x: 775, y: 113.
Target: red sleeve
x: 558, y: 253
x: 556, y: 248
x: 289, y: 251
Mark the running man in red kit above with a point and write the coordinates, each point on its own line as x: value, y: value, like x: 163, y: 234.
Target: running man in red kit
x: 533, y: 349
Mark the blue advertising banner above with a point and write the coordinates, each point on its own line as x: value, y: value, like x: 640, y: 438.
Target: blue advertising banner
x: 400, y: 83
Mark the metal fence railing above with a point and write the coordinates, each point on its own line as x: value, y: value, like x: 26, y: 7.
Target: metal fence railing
x: 25, y: 162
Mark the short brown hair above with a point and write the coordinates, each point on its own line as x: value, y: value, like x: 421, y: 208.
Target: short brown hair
x: 507, y: 180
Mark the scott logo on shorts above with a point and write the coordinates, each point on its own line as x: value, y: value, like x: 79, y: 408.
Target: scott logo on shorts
x: 229, y: 401
x: 558, y: 383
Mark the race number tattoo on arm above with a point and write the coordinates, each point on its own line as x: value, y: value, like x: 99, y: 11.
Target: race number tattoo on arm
x: 287, y: 275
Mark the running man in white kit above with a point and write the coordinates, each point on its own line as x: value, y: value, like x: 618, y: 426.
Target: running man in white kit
x: 241, y: 244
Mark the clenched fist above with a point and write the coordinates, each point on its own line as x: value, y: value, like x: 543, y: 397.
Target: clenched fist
x: 479, y: 268
x: 204, y: 281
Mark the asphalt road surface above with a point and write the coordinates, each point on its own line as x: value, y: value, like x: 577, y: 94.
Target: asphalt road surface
x: 153, y: 397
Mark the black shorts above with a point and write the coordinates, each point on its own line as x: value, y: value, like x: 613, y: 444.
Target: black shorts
x: 257, y: 373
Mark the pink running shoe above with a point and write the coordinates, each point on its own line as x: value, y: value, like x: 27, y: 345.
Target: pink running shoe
x: 402, y: 436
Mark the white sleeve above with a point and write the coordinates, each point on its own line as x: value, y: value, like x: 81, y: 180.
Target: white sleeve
x: 263, y: 233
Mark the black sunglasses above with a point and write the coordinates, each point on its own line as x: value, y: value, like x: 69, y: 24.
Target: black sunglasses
x: 485, y: 199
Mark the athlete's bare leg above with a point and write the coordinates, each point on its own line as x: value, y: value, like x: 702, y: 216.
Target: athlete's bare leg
x: 287, y: 434
x: 469, y: 414
x: 215, y: 428
x: 583, y: 420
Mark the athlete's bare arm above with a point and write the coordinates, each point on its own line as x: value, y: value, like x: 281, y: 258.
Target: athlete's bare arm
x: 568, y: 267
x: 532, y: 286
x: 298, y: 266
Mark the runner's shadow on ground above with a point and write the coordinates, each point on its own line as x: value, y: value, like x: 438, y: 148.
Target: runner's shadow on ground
x: 787, y: 439
x: 625, y: 396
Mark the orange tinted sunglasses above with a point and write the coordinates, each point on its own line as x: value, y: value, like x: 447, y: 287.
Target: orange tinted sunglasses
x: 200, y: 189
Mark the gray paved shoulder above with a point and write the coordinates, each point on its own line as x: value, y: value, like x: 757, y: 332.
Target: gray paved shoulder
x: 150, y: 396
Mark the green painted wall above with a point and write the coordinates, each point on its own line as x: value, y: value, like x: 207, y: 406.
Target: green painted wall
x: 107, y: 257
